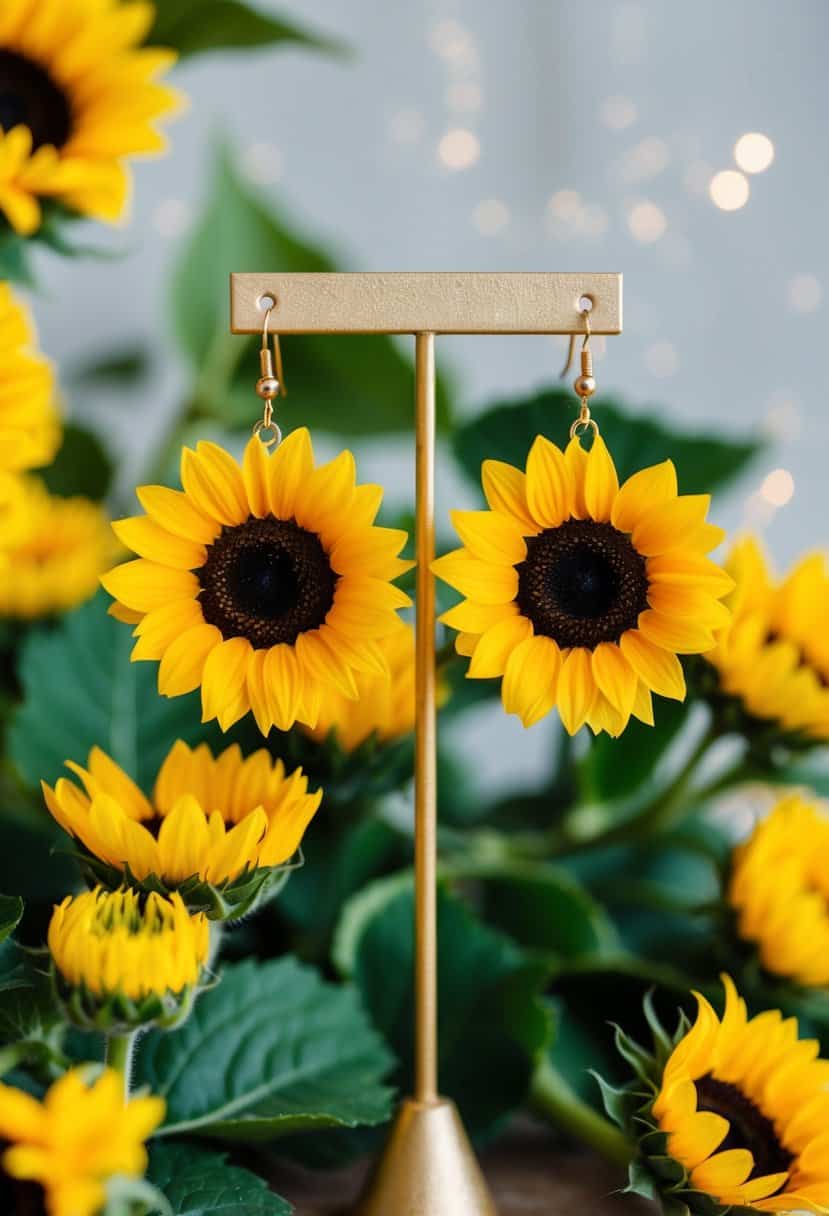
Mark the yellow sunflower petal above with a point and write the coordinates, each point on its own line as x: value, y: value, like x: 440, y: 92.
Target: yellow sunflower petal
x: 669, y: 525
x: 601, y: 484
x: 183, y: 662
x: 496, y: 645
x: 183, y: 840
x: 291, y: 465
x: 723, y: 1171
x: 174, y: 511
x: 256, y: 477
x: 490, y: 536
x: 470, y: 617
x: 144, y: 585
x: 483, y: 582
x: 549, y: 485
x: 213, y: 480
x: 644, y: 490
x: 658, y: 668
x: 681, y: 636
x: 223, y: 677
x: 697, y: 1138
x: 576, y: 689
x: 505, y: 489
x: 284, y: 685
x: 530, y: 679
x: 682, y: 602
x: 687, y: 569
x: 576, y: 459
x: 149, y: 539
x: 615, y: 677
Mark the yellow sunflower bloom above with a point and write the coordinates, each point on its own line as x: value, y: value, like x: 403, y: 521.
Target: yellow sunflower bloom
x: 774, y: 657
x: 581, y: 593
x: 57, y: 547
x: 779, y: 888
x: 29, y: 424
x: 79, y: 96
x: 221, y: 821
x: 80, y: 1136
x: 385, y: 705
x: 745, y: 1106
x: 127, y: 944
x: 268, y: 585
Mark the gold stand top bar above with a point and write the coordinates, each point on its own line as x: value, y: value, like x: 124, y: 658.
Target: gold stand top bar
x: 440, y: 302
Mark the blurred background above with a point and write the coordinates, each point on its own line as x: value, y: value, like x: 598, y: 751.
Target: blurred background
x: 677, y: 144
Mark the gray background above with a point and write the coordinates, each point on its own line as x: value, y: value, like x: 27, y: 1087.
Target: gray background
x: 583, y: 113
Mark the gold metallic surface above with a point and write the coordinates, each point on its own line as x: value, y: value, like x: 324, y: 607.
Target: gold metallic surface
x: 426, y: 1079
x: 531, y: 302
x: 427, y: 1169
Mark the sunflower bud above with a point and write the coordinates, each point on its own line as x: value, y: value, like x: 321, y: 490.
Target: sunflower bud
x: 123, y: 960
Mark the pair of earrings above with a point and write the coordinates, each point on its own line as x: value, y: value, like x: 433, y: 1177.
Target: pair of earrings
x: 269, y: 584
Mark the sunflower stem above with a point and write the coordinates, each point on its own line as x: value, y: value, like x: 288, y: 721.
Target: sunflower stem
x: 552, y: 1097
x: 119, y: 1052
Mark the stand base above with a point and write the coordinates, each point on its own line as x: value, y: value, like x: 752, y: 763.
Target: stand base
x: 427, y: 1168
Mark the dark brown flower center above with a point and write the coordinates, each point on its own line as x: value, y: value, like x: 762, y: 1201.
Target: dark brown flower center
x: 28, y: 95
x: 267, y: 580
x: 749, y: 1127
x: 582, y: 583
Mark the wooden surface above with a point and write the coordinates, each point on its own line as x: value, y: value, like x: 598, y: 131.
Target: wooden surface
x: 528, y: 1173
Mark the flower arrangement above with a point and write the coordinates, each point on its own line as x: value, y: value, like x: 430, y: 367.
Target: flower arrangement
x: 206, y: 720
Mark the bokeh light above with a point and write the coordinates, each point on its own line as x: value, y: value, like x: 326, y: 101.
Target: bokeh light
x: 262, y: 163
x: 617, y: 113
x: 490, y: 216
x: 172, y: 217
x: 459, y: 149
x: 464, y: 96
x: 729, y: 190
x: 754, y: 152
x: 647, y: 222
x: 805, y: 293
x: 778, y: 487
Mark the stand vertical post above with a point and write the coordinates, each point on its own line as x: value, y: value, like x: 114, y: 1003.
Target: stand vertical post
x: 426, y: 1068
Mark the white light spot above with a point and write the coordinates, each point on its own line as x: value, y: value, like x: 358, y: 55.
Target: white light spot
x: 262, y: 163
x: 757, y: 512
x: 729, y: 190
x: 172, y: 217
x: 490, y: 216
x: 647, y: 222
x: 594, y: 221
x: 459, y: 149
x: 662, y: 360
x: 778, y: 487
x: 805, y: 293
x: 464, y: 96
x: 407, y: 126
x: 648, y: 159
x: 617, y: 113
x: 783, y: 419
x: 452, y: 41
x: 565, y: 205
x: 754, y: 152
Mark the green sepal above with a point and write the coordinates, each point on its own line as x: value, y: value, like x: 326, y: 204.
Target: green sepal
x: 231, y: 900
x: 115, y: 1013
x: 134, y: 1197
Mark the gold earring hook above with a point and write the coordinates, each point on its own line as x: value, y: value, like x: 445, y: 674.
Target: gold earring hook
x: 585, y: 383
x: 269, y: 385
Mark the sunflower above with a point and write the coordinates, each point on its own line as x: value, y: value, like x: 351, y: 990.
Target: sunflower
x: 266, y: 585
x: 57, y: 548
x: 730, y: 1114
x: 385, y: 705
x: 779, y: 889
x: 580, y: 593
x: 773, y: 660
x: 29, y: 424
x: 126, y: 958
x: 82, y: 1134
x: 78, y: 95
x: 217, y: 829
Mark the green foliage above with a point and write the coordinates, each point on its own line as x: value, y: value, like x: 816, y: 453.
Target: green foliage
x: 11, y: 911
x: 120, y: 368
x: 198, y: 1182
x: 704, y: 461
x: 193, y: 26
x: 82, y: 466
x: 354, y: 385
x: 270, y: 1050
x: 492, y: 1025
x: 80, y: 689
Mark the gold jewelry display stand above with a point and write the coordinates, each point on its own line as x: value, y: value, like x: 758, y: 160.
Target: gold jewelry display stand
x: 428, y: 1167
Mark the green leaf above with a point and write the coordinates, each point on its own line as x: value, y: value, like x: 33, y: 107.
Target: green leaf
x: 82, y: 466
x: 191, y: 26
x: 270, y: 1050
x: 198, y: 1182
x: 15, y: 257
x: 492, y: 1025
x: 11, y: 912
x: 613, y: 769
x: 80, y: 689
x: 354, y: 384
x: 704, y: 461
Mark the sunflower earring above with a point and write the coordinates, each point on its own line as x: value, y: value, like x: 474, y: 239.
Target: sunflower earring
x: 267, y: 584
x: 580, y: 594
